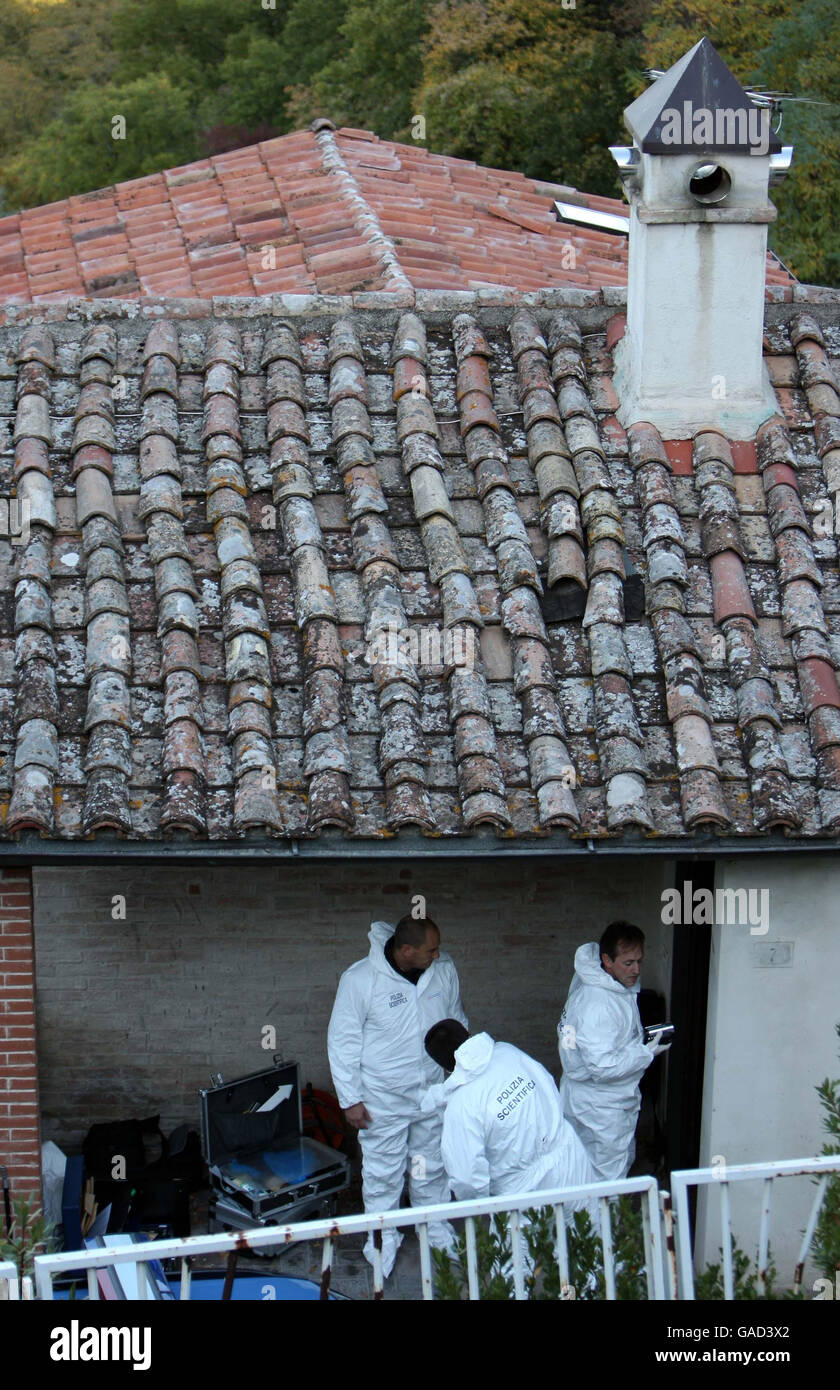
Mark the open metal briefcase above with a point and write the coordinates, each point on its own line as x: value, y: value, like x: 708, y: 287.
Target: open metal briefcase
x: 263, y: 1169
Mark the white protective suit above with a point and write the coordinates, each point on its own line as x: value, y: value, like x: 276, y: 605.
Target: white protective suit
x: 377, y: 1056
x: 604, y: 1058
x: 503, y: 1126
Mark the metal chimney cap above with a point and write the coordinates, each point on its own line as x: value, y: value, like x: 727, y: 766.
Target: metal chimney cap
x: 698, y: 106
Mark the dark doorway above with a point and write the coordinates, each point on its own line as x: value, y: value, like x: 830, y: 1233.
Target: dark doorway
x: 689, y: 999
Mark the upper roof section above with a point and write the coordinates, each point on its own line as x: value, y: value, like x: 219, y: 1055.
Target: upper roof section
x: 372, y: 571
x: 320, y: 211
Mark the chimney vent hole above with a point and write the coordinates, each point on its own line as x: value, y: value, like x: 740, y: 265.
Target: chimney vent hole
x: 709, y: 183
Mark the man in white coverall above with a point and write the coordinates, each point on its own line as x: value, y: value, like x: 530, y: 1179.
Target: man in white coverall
x: 602, y: 1049
x: 384, y: 1007
x: 503, y: 1125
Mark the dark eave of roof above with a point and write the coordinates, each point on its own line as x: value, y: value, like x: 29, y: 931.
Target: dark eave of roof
x: 332, y: 846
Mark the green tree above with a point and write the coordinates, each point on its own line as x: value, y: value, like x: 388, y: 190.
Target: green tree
x: 44, y: 49
x: 186, y: 38
x: 802, y: 58
x: 250, y: 88
x: 78, y: 152
x: 260, y: 71
x: 511, y: 83
x: 481, y: 113
x: 739, y: 29
x: 370, y: 80
x: 587, y: 1281
x: 827, y: 1236
x: 31, y: 1234
x: 312, y: 38
x: 781, y: 45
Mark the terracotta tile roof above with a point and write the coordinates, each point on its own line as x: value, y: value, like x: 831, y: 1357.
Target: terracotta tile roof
x: 289, y: 565
x: 316, y: 211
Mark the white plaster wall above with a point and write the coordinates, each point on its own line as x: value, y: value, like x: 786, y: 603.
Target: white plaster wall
x: 770, y: 1041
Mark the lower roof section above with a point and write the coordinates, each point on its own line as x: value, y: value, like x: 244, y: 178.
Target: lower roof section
x: 396, y: 574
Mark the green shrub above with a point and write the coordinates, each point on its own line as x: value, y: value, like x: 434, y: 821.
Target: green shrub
x: 542, y: 1279
x: 826, y: 1247
x: 31, y: 1235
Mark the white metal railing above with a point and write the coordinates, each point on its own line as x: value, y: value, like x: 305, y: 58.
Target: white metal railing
x: 9, y: 1280
x: 331, y: 1229
x: 666, y: 1233
x: 721, y: 1177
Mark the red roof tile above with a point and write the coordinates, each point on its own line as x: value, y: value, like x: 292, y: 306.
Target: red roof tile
x: 453, y: 224
x: 679, y: 454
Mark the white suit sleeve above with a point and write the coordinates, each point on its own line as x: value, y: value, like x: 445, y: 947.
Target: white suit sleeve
x: 345, y: 1037
x: 455, y: 1008
x: 463, y: 1152
x: 601, y: 1059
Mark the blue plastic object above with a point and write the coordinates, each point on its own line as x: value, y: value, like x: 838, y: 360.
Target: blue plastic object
x: 206, y: 1287
x: 71, y: 1202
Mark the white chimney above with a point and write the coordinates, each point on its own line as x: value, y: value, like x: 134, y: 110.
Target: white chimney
x: 696, y: 177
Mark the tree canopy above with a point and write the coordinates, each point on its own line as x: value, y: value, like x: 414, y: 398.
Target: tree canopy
x: 789, y: 46
x: 533, y: 85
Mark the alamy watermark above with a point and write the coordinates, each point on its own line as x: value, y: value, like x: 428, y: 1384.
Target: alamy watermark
x: 698, y: 125
x: 14, y: 519
x: 78, y: 1342
x: 726, y: 907
x: 430, y: 646
x: 826, y: 518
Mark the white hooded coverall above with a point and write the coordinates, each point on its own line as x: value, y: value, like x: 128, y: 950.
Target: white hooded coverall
x: 503, y: 1126
x: 604, y: 1058
x: 377, y: 1055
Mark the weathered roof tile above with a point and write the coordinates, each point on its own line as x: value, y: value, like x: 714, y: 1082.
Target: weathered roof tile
x: 219, y: 680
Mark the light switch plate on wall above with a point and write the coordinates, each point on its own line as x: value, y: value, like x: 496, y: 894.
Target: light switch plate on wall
x: 767, y: 953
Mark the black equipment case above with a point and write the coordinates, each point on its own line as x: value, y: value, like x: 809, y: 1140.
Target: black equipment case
x: 263, y: 1169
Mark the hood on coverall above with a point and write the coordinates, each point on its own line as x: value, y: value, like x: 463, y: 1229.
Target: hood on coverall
x: 503, y: 1129
x: 604, y: 1057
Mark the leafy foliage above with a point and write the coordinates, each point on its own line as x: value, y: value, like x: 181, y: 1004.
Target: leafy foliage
x: 826, y: 1248
x: 510, y: 83
x: 781, y: 45
x: 370, y: 80
x: 542, y: 1282
x: 30, y: 1235
x: 587, y: 1283
x: 739, y: 29
x: 43, y: 50
x: 493, y: 1256
x: 533, y: 85
x: 709, y: 1284
x: 79, y: 149
x: 802, y: 57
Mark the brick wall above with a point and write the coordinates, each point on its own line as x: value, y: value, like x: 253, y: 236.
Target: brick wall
x: 134, y: 1013
x: 20, y: 1139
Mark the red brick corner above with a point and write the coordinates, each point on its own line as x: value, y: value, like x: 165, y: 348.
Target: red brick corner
x: 20, y: 1126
